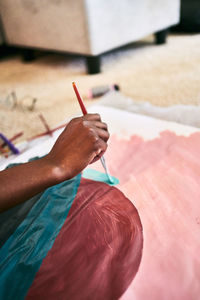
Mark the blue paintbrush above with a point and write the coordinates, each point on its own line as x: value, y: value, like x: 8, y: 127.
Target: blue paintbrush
x: 9, y: 144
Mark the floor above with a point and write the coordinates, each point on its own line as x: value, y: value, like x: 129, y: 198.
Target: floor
x: 163, y: 75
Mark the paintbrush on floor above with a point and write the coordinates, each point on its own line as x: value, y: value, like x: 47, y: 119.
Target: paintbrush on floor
x: 84, y: 111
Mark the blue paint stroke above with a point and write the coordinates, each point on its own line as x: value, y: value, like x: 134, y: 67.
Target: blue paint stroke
x: 99, y: 176
x: 23, y: 253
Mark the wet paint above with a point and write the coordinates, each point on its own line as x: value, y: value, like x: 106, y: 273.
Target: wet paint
x: 99, y: 176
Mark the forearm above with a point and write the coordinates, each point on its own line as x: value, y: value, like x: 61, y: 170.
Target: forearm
x: 83, y: 141
x: 22, y: 182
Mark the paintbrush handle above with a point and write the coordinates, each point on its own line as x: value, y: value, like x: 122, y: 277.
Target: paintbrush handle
x: 84, y: 111
x: 9, y: 144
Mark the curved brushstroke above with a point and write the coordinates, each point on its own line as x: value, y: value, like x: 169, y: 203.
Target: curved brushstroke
x: 98, y: 251
x: 22, y: 254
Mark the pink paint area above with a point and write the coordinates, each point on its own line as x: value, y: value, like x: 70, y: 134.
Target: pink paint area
x: 162, y: 178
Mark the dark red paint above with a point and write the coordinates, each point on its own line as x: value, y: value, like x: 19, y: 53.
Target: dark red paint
x: 98, y: 251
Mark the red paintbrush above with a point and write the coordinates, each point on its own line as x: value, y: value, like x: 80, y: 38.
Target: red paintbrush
x: 84, y: 111
x: 47, y: 132
x: 45, y: 124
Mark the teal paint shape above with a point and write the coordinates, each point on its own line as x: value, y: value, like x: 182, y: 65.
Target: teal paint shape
x: 23, y: 253
x: 99, y: 176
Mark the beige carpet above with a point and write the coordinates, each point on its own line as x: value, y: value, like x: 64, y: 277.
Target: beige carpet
x: 163, y: 75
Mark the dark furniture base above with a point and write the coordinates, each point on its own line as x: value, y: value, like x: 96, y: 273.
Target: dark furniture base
x: 93, y: 64
x: 161, y: 37
x: 28, y: 55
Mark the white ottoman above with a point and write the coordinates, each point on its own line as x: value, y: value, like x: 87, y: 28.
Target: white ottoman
x: 87, y: 27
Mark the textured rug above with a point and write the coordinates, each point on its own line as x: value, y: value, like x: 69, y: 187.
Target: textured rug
x: 162, y: 75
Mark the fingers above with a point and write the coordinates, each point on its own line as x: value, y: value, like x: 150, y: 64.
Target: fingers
x: 92, y: 117
x: 94, y: 121
x: 98, y: 133
x: 97, y: 157
x: 101, y: 125
x: 104, y: 135
x: 101, y: 148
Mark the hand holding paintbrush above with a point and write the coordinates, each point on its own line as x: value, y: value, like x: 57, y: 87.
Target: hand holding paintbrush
x: 84, y: 111
x: 80, y: 143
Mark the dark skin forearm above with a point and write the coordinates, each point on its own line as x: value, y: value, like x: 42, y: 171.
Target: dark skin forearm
x: 83, y: 141
x: 24, y: 181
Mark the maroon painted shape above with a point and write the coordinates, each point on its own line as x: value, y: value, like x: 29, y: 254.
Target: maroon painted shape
x: 98, y: 250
